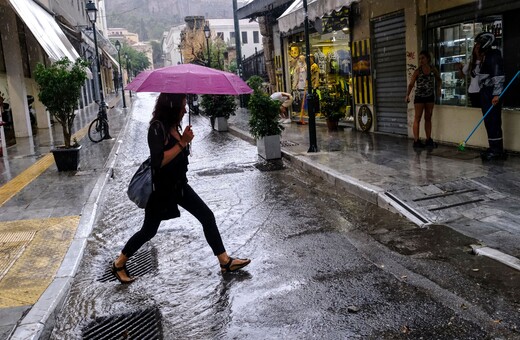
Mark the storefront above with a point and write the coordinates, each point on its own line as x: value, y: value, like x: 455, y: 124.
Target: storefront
x: 450, y: 35
x: 331, y: 61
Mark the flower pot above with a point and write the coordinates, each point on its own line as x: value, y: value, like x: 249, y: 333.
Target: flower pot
x: 66, y: 159
x: 269, y: 147
x: 221, y: 124
x: 332, y: 125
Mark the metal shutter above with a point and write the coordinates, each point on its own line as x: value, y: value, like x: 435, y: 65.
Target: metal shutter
x: 390, y: 74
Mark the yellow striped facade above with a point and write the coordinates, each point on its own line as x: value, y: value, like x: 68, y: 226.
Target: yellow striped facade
x: 362, y: 85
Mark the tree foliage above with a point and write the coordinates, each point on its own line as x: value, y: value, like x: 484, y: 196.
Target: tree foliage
x: 264, y: 112
x: 60, y: 89
x: 218, y: 105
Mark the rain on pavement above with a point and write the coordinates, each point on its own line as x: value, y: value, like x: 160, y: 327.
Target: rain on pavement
x: 324, y: 264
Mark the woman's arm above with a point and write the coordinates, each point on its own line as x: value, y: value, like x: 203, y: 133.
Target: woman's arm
x: 411, y: 85
x: 173, y: 152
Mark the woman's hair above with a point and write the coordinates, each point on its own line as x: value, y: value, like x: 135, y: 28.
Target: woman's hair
x: 427, y: 55
x: 168, y: 109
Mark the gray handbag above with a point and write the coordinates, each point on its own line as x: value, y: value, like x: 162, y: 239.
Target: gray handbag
x: 141, y: 185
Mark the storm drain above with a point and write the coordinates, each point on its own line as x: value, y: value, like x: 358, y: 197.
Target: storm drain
x: 273, y: 165
x: 143, y: 262
x: 145, y: 324
x: 286, y: 143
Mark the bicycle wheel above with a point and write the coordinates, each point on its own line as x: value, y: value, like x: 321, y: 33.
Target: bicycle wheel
x: 96, y: 130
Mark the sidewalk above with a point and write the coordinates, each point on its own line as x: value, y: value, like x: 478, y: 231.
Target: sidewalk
x: 45, y: 223
x: 439, y: 186
x: 45, y: 219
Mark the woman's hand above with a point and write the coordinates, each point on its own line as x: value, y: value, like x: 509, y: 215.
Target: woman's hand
x: 495, y: 100
x: 187, y: 135
x: 407, y: 98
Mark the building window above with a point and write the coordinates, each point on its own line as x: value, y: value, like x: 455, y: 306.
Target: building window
x: 232, y: 35
x: 256, y: 37
x: 220, y: 35
x: 453, y: 48
x: 244, y: 37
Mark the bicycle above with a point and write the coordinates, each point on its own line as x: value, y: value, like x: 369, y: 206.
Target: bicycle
x: 98, y: 129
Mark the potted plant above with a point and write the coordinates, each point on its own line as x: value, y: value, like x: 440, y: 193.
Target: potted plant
x: 332, y: 106
x: 218, y: 108
x: 60, y: 90
x: 263, y: 120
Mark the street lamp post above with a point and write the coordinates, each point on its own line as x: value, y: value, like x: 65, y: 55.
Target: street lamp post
x: 128, y: 71
x: 118, y: 48
x: 313, y: 145
x: 92, y: 14
x: 207, y: 33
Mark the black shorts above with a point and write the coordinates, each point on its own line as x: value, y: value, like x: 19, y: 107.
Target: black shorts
x: 424, y: 100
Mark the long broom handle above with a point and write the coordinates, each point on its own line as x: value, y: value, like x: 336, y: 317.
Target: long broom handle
x: 491, y: 107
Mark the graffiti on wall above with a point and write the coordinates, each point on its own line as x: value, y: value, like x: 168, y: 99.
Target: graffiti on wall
x: 410, y: 63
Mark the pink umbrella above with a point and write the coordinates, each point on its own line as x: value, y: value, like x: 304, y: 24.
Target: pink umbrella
x: 189, y: 78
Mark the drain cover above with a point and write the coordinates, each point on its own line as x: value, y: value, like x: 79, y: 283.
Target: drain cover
x: 286, y: 143
x: 144, y: 324
x: 143, y: 262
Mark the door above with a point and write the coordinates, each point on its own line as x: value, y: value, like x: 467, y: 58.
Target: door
x: 390, y: 73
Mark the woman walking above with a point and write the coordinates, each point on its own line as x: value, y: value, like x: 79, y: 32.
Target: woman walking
x: 169, y: 150
x: 424, y: 79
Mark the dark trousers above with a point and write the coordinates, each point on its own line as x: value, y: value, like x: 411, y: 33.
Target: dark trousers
x: 493, y: 120
x: 195, y: 206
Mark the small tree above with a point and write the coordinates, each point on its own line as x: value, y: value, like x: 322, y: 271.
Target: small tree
x: 264, y: 111
x: 60, y: 89
x: 218, y: 105
x: 333, y: 106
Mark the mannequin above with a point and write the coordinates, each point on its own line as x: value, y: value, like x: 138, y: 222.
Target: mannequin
x: 315, y: 73
x: 299, y: 74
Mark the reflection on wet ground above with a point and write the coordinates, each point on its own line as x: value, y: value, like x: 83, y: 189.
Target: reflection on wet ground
x: 316, y: 272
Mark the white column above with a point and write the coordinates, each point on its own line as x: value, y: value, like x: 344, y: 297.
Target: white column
x: 42, y: 116
x: 14, y: 72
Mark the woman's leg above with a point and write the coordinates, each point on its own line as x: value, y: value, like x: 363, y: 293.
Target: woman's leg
x: 196, y: 206
x: 419, y: 107
x: 428, y: 112
x: 148, y: 230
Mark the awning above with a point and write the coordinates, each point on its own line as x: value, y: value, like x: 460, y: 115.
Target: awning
x: 114, y: 62
x: 294, y: 15
x: 256, y: 8
x: 45, y: 30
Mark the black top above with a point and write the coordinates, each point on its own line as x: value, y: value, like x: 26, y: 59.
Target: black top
x: 169, y: 179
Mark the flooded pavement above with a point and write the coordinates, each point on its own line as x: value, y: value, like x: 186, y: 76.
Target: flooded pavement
x: 325, y: 264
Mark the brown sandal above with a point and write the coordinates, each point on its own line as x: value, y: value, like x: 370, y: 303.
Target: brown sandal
x: 115, y: 271
x: 226, y: 268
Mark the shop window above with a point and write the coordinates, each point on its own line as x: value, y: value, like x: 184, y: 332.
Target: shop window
x: 244, y: 37
x: 256, y: 37
x: 453, y: 46
x: 331, y: 67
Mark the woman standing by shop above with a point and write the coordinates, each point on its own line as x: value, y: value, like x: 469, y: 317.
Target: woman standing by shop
x: 169, y: 160
x: 425, y: 79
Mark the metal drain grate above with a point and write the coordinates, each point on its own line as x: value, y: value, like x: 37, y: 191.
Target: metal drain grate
x: 286, y: 143
x: 273, y: 165
x: 144, y: 324
x: 143, y: 262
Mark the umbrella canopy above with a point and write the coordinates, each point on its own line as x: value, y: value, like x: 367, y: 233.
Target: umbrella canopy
x: 189, y: 78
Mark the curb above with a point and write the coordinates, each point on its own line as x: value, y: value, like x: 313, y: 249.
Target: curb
x: 39, y: 321
x: 375, y: 195
x: 365, y: 191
